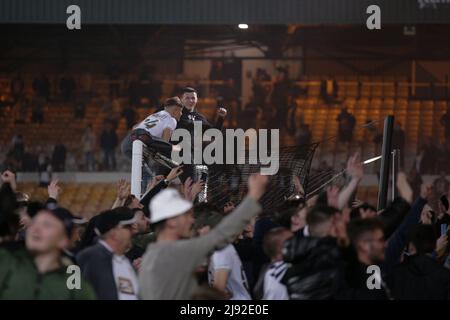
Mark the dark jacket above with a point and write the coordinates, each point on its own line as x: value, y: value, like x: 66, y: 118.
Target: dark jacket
x: 355, y: 286
x: 397, y: 241
x: 96, y: 266
x: 316, y: 270
x: 419, y: 277
x: 188, y: 117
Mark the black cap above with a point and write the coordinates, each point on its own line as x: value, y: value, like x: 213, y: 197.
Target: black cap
x: 112, y: 218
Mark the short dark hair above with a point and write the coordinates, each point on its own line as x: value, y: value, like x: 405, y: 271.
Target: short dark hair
x: 286, y: 211
x: 423, y: 237
x: 359, y: 227
x: 188, y: 90
x: 270, y: 241
x: 355, y: 213
x: 173, y: 101
x: 320, y: 214
x: 129, y: 200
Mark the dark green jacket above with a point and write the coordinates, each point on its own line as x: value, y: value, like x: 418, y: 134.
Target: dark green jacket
x: 19, y: 279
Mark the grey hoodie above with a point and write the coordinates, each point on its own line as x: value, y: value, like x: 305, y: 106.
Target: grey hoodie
x: 167, y: 269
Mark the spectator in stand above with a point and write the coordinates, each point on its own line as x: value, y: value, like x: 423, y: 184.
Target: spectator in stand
x: 167, y: 269
x: 17, y: 87
x: 133, y: 92
x: 59, y: 157
x: 346, y: 125
x: 445, y: 122
x: 45, y: 170
x: 67, y: 86
x: 104, y: 265
x: 108, y: 143
x: 130, y: 116
x: 89, y: 141
x: 41, y: 87
x: 37, y: 110
x: 279, y: 98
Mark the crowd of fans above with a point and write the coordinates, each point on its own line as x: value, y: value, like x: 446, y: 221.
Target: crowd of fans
x: 169, y: 245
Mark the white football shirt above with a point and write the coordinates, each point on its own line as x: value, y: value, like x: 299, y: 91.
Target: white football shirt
x: 157, y: 122
x: 273, y: 288
x: 228, y: 259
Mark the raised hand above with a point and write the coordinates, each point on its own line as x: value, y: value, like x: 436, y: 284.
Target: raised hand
x: 355, y: 167
x: 187, y: 187
x: 53, y: 189
x: 257, y: 184
x: 9, y: 177
x: 123, y: 189
x: 222, y: 112
x: 174, y: 173
x: 197, y: 187
x: 333, y: 196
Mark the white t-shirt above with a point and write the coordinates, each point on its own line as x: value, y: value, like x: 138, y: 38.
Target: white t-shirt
x: 124, y: 276
x: 228, y: 259
x: 157, y: 122
x: 273, y: 288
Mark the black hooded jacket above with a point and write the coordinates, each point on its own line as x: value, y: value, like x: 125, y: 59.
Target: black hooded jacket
x: 419, y: 277
x: 316, y: 268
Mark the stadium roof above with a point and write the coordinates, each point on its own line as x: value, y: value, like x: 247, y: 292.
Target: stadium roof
x: 225, y: 11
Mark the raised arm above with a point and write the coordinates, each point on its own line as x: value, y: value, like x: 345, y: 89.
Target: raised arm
x: 355, y: 170
x: 234, y: 223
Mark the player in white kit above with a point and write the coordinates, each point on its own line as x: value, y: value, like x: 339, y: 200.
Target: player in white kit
x: 155, y: 132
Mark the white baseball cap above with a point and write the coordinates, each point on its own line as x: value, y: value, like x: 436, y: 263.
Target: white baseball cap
x: 168, y: 204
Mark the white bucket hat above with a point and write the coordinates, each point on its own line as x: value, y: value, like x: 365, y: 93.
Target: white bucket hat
x: 167, y: 204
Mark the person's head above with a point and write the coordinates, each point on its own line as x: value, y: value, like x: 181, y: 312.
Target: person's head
x: 320, y: 221
x: 142, y: 225
x: 364, y: 211
x: 206, y: 218
x: 293, y: 218
x: 422, y: 239
x: 367, y: 237
x: 132, y: 202
x: 189, y: 97
x: 171, y: 215
x: 49, y: 232
x: 174, y: 107
x: 115, y: 228
x: 273, y: 243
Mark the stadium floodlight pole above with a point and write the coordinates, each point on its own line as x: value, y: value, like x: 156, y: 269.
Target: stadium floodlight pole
x: 136, y: 168
x: 385, y: 162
